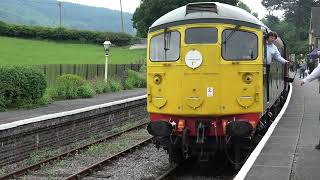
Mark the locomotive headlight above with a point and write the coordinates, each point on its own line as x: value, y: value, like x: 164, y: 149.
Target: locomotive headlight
x: 247, y: 78
x: 157, y: 79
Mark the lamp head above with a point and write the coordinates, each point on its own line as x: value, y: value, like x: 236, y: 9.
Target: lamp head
x: 106, y: 46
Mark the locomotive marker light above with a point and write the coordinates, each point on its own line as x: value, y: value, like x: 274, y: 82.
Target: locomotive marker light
x: 193, y: 59
x: 106, y: 46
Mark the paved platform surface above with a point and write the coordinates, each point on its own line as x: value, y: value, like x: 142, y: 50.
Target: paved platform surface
x: 290, y: 152
x: 67, y: 105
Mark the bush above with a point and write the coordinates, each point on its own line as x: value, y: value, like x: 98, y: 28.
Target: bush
x: 47, y: 98
x: 19, y: 85
x: 114, y: 85
x: 106, y: 88
x: 86, y: 91
x: 101, y: 87
x: 2, y: 103
x: 135, y: 80
x: 62, y: 34
x: 68, y: 86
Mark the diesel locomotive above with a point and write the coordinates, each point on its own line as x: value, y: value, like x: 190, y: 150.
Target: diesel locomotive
x: 208, y: 89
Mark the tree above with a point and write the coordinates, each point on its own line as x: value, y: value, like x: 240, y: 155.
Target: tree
x: 245, y: 7
x: 287, y: 31
x: 295, y: 26
x: 151, y: 10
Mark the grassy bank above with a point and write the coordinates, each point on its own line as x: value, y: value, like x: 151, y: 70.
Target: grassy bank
x: 22, y: 51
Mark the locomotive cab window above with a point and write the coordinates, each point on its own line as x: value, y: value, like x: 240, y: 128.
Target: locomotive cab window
x: 239, y: 45
x: 202, y: 35
x: 165, y: 47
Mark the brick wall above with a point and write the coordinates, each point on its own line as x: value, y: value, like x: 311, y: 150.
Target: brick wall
x: 17, y: 143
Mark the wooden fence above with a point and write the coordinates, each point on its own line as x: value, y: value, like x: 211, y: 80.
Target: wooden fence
x: 87, y: 71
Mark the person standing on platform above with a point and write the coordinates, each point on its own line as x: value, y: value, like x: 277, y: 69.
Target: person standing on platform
x: 314, y: 75
x: 303, y: 70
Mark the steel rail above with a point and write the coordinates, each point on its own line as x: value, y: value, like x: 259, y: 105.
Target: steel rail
x: 34, y: 167
x: 98, y: 166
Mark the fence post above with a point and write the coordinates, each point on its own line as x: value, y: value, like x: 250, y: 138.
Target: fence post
x: 116, y: 69
x: 74, y: 68
x: 60, y: 69
x: 87, y: 72
x: 45, y: 69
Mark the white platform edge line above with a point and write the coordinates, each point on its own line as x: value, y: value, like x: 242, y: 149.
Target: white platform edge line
x: 252, y: 158
x: 67, y: 113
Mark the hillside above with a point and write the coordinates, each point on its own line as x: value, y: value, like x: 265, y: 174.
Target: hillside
x: 46, y: 13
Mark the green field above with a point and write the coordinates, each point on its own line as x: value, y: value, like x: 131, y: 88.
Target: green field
x: 22, y: 51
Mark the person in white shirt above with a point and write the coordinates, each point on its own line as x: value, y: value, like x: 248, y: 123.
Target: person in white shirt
x: 272, y: 53
x: 272, y: 50
x: 314, y: 75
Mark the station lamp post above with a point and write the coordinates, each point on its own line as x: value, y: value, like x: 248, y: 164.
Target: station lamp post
x: 106, y: 46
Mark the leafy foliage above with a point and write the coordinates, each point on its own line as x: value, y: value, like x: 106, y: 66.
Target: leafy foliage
x: 135, y: 80
x: 101, y: 87
x: 245, y: 7
x: 68, y: 86
x: 62, y: 34
x: 294, y: 28
x: 114, y: 85
x: 20, y: 85
x: 151, y: 10
x: 86, y: 91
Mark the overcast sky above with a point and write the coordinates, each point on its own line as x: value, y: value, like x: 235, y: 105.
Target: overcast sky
x: 131, y: 5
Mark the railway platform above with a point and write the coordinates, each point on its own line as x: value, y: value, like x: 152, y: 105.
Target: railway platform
x: 67, y: 105
x: 289, y: 152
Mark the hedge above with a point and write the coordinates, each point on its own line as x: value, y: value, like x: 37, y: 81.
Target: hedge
x: 19, y: 85
x: 63, y: 34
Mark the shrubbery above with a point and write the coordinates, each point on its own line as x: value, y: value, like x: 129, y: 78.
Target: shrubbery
x: 114, y: 85
x: 27, y: 87
x: 86, y: 91
x: 20, y: 85
x: 70, y: 86
x: 101, y: 87
x: 135, y: 80
x: 62, y: 34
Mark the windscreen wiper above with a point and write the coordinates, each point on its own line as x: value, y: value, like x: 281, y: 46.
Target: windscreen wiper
x: 166, y: 41
x: 231, y: 34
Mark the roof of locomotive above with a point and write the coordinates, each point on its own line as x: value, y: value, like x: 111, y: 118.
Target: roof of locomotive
x: 211, y: 12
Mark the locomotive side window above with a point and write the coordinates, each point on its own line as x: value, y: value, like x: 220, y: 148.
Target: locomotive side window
x: 165, y: 47
x: 207, y: 35
x: 239, y: 45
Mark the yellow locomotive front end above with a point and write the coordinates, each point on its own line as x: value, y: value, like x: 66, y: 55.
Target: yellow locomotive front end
x: 205, y: 70
x: 204, y: 79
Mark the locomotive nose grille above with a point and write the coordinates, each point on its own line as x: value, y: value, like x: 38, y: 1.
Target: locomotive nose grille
x: 201, y: 7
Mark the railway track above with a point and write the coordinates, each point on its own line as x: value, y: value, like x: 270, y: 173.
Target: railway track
x: 50, y: 161
x: 98, y: 166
